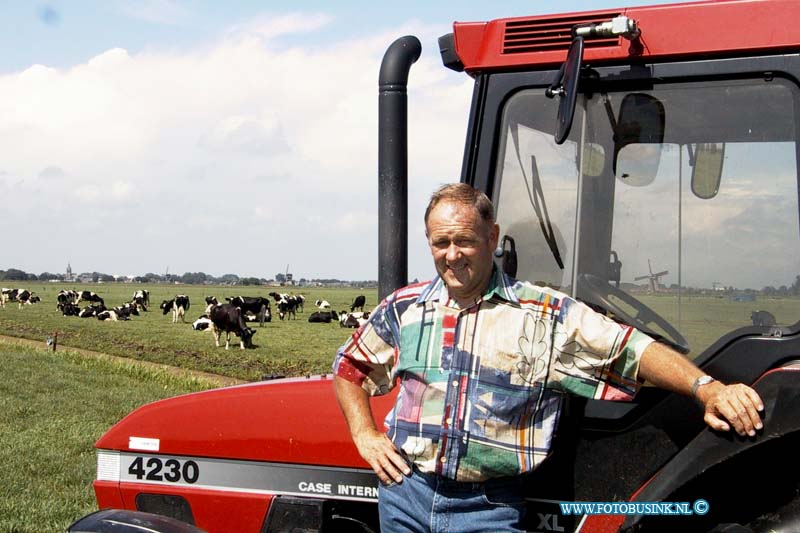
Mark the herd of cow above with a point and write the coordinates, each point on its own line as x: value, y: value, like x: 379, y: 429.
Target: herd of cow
x: 231, y: 317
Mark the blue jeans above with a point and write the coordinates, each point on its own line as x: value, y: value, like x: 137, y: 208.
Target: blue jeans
x: 431, y: 504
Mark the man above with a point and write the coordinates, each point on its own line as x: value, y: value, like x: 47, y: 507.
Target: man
x: 484, y: 362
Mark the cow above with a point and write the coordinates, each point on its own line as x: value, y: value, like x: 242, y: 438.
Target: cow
x: 253, y: 305
x: 230, y: 319
x: 322, y: 316
x: 358, y: 302
x: 763, y: 318
x: 66, y: 296
x: 323, y: 305
x: 141, y: 299
x: 8, y: 295
x: 202, y: 323
x: 178, y: 305
x: 301, y: 301
x: 353, y: 320
x: 287, y: 304
x: 25, y: 296
x: 89, y: 296
x: 69, y: 309
x: 125, y: 311
x: 211, y: 300
x: 91, y: 310
x: 287, y: 308
x: 108, y: 314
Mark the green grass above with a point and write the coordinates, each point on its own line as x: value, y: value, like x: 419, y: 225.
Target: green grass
x: 289, y: 347
x: 53, y: 407
x: 705, y: 319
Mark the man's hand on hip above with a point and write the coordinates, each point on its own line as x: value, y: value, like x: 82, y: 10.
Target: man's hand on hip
x: 381, y: 454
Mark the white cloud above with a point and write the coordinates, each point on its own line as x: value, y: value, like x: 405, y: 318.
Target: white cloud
x: 166, y: 12
x: 270, y: 26
x: 240, y: 143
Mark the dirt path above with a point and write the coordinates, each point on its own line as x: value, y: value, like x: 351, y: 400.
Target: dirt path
x: 215, y: 379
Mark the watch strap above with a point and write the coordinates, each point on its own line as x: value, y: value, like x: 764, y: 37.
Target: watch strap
x: 699, y: 382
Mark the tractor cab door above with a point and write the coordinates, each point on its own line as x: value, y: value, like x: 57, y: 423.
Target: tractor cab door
x: 672, y: 206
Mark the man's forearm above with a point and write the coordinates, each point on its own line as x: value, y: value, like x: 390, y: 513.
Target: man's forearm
x: 736, y: 404
x: 354, y: 403
x: 668, y: 369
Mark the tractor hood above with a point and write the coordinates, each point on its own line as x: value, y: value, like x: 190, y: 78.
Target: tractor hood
x: 289, y: 420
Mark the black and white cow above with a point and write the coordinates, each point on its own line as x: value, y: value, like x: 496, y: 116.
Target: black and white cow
x: 125, y: 311
x: 358, y: 303
x: 286, y: 304
x: 8, y: 295
x: 178, y: 305
x: 256, y: 306
x: 353, y: 320
x: 89, y: 296
x: 322, y: 317
x: 108, y: 314
x: 202, y: 323
x: 230, y: 319
x: 91, y: 310
x: 69, y: 309
x: 323, y: 305
x: 66, y: 296
x: 141, y: 299
x: 26, y: 297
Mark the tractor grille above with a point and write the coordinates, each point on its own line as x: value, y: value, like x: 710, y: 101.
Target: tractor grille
x: 543, y: 34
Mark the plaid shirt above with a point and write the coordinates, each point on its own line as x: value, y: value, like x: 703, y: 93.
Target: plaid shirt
x: 481, y: 388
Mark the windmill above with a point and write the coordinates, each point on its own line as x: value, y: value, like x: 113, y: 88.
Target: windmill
x: 652, y: 278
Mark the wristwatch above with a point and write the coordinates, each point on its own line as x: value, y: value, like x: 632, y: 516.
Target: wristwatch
x: 699, y: 382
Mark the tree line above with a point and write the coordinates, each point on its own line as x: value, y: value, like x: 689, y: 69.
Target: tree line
x: 188, y: 278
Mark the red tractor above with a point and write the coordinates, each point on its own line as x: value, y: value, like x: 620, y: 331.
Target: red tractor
x: 614, y: 144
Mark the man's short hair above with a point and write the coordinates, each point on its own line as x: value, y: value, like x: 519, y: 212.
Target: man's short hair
x: 462, y: 193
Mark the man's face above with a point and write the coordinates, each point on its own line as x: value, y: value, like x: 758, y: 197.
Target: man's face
x: 462, y: 244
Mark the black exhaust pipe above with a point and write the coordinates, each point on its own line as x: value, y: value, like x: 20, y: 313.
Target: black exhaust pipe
x: 393, y: 164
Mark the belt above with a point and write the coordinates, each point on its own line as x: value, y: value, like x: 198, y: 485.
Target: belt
x: 442, y: 483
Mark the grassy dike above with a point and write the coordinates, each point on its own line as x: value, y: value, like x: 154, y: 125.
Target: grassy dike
x: 53, y: 407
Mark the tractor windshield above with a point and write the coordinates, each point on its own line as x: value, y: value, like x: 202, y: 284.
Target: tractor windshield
x: 674, y: 206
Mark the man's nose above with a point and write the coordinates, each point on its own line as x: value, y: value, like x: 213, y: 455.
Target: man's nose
x: 453, y: 252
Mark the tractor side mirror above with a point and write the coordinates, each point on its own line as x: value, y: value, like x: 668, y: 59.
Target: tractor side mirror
x: 566, y: 88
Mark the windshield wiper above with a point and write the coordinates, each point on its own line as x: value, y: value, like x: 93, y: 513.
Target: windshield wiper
x: 536, y: 197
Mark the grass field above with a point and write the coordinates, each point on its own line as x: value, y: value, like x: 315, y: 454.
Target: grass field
x: 47, y: 460
x: 289, y: 347
x: 705, y: 319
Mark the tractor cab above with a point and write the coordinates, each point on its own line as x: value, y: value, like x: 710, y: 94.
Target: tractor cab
x: 660, y: 187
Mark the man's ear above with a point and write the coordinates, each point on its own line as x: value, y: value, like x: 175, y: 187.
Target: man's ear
x: 494, y: 235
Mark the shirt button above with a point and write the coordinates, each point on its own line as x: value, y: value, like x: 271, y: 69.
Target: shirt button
x: 455, y: 383
x: 443, y: 459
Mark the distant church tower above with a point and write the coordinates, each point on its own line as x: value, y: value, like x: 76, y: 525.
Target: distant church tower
x: 68, y: 275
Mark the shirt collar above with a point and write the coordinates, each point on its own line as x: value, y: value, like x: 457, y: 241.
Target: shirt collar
x: 500, y: 285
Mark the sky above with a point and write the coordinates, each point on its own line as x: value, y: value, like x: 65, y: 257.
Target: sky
x: 223, y: 137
